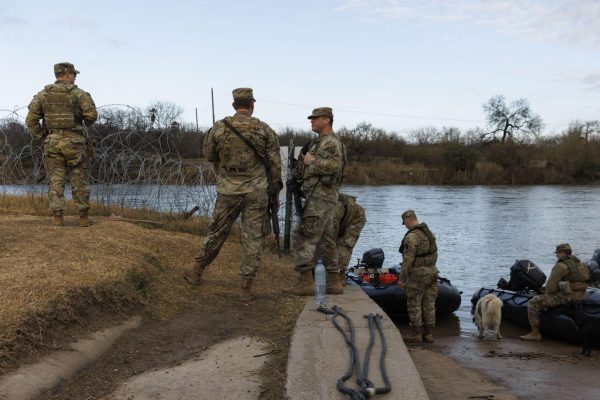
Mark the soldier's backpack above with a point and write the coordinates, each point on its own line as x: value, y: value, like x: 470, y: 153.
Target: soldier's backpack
x: 59, y: 110
x: 594, y: 269
x: 524, y: 274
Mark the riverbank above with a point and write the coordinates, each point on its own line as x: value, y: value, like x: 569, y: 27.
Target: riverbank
x: 459, y: 365
x: 58, y: 284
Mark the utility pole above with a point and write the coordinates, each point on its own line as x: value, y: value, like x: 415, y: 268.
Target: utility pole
x: 197, y: 129
x: 212, y: 100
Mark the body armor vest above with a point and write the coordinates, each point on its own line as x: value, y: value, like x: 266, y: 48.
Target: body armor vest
x: 432, y: 244
x: 59, y: 107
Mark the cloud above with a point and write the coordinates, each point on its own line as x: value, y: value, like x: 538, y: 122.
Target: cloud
x: 591, y: 81
x: 572, y: 22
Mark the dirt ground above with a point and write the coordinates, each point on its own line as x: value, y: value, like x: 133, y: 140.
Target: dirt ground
x: 461, y: 366
x: 180, y: 321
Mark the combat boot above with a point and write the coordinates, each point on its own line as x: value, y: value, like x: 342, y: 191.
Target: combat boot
x: 194, y: 274
x: 305, y: 286
x: 84, y: 219
x: 428, y: 334
x: 58, y: 218
x: 333, y: 283
x: 415, y: 337
x: 246, y: 292
x: 533, y: 336
x: 343, y: 278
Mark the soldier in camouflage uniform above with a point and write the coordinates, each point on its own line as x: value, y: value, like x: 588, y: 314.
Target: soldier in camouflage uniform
x: 65, y: 110
x: 320, y: 171
x: 419, y: 277
x: 241, y: 188
x: 569, y: 269
x: 348, y: 221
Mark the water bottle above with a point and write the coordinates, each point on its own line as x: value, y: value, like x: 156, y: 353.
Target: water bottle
x: 320, y: 283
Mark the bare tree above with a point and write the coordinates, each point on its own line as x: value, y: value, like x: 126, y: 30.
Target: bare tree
x: 511, y: 122
x: 584, y: 129
x: 164, y: 114
x: 426, y: 135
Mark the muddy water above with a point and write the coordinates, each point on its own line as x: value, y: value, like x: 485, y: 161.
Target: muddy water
x: 481, y: 230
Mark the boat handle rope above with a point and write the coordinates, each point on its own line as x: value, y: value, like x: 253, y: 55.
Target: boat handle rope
x: 367, y: 388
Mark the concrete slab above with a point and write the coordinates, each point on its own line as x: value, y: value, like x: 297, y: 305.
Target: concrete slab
x: 319, y: 356
x: 30, y: 381
x: 225, y: 371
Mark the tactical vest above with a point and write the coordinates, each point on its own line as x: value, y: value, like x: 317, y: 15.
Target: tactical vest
x: 59, y: 107
x: 574, y: 265
x: 345, y: 217
x: 236, y: 155
x: 432, y: 244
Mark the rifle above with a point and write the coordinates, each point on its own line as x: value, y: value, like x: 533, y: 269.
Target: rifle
x: 273, y: 208
x: 294, y: 186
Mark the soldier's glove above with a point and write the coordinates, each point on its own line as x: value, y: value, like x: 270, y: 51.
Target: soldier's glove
x: 291, y: 185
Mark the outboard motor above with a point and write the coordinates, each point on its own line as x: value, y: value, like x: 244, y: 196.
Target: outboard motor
x: 524, y: 274
x: 594, y: 269
x: 373, y: 258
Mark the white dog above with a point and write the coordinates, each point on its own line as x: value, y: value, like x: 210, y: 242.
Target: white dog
x: 488, y: 314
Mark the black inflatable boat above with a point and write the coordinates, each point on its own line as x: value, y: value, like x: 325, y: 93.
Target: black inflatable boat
x: 381, y: 285
x: 565, y: 322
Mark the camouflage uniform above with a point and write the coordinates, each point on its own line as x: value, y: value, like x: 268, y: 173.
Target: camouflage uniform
x: 241, y: 185
x: 348, y: 221
x: 569, y: 269
x: 64, y: 108
x: 321, y: 179
x: 420, y: 274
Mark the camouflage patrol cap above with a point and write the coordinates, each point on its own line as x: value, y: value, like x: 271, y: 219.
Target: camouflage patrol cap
x: 563, y: 248
x: 407, y: 214
x: 243, y: 94
x: 321, y: 112
x: 64, y: 67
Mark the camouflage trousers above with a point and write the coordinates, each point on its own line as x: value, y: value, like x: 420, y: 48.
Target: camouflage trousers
x: 421, y: 293
x: 541, y: 302
x: 315, y: 230
x: 345, y: 245
x: 67, y: 151
x: 252, y: 207
x: 344, y: 256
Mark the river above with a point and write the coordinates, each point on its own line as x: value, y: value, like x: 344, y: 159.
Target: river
x: 482, y: 230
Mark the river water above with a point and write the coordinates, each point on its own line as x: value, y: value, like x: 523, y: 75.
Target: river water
x: 482, y: 230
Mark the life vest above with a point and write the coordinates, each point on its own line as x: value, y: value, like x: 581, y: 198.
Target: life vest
x: 432, y: 243
x: 59, y: 106
x: 578, y: 272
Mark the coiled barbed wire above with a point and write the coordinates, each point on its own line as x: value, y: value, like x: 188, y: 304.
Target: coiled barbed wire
x: 137, y: 164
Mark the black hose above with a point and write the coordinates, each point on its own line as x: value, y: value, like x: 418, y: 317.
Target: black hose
x: 367, y: 388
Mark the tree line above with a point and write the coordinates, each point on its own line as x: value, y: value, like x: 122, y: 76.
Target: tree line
x: 509, y: 150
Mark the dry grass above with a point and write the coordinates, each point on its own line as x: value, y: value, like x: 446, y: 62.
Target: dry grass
x: 55, y: 277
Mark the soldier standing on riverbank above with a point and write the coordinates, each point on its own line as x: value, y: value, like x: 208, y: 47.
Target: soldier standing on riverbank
x: 65, y: 110
x: 320, y: 171
x: 567, y: 283
x: 419, y: 276
x: 241, y: 187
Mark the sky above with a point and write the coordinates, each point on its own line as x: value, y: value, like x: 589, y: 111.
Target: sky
x: 397, y: 64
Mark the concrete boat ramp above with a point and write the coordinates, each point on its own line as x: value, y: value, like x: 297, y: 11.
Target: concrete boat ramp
x: 319, y: 356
